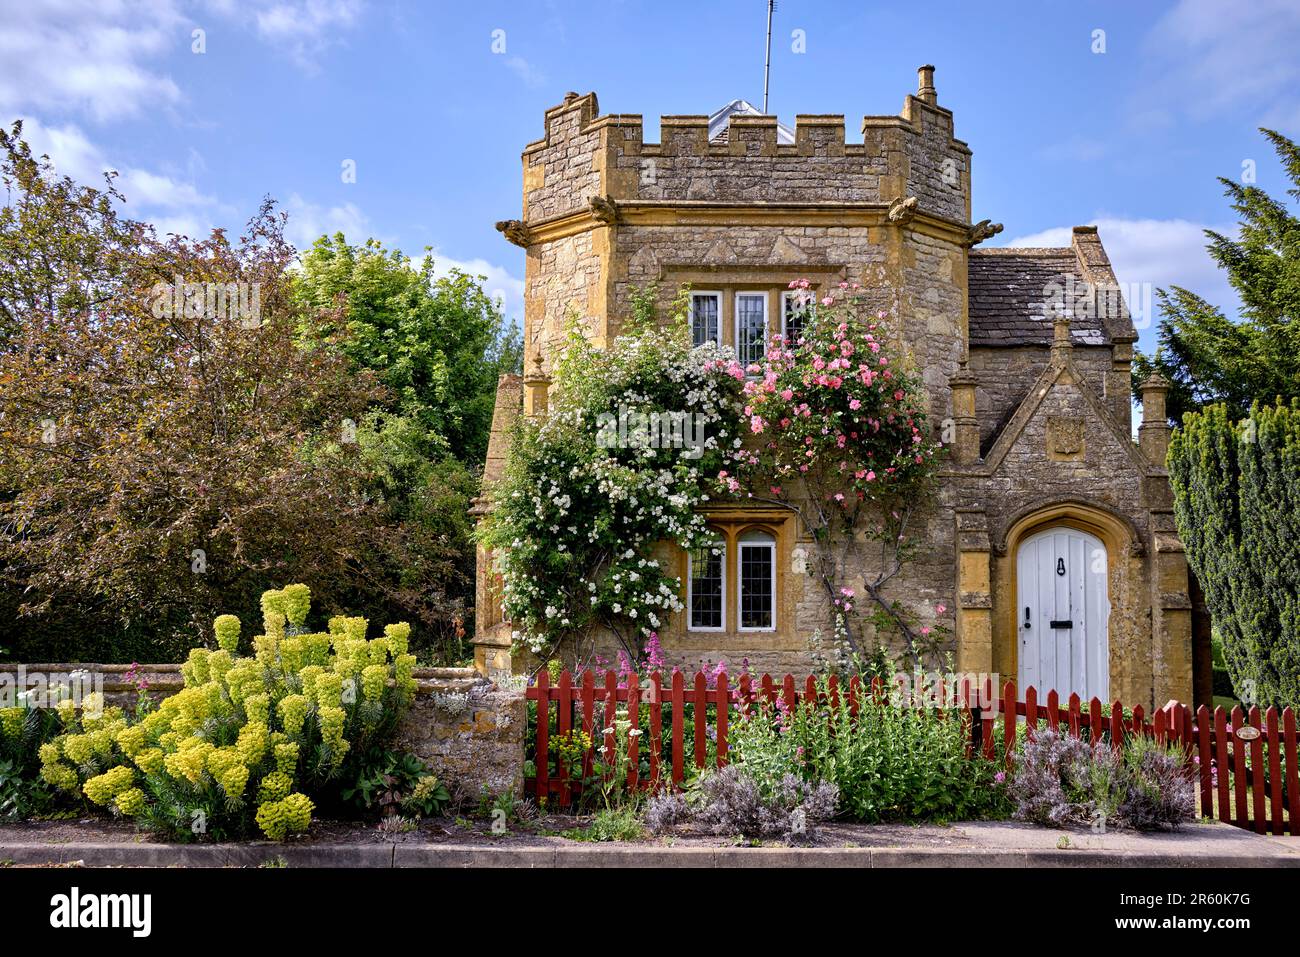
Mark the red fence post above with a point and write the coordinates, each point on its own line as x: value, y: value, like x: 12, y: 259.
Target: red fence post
x: 611, y: 709
x: 1053, y: 710
x: 723, y: 706
x: 701, y: 713
x: 1117, y: 726
x: 1257, y: 770
x: 656, y: 727
x: 1075, y: 723
x: 1275, y: 770
x: 543, y: 784
x: 633, y: 739
x: 1009, y: 720
x: 1031, y: 712
x: 1094, y: 720
x: 1222, y: 768
x: 1292, y: 770
x: 589, y: 718
x: 563, y: 727
x: 1206, y: 758
x: 1238, y: 768
x: 679, y: 715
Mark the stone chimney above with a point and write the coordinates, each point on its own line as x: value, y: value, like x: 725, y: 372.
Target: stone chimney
x: 965, y: 438
x: 925, y: 90
x: 1153, y: 433
x: 1062, y: 344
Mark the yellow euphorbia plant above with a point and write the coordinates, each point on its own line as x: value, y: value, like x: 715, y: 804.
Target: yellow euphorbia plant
x: 248, y: 740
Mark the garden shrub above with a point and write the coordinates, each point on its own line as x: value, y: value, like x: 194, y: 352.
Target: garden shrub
x: 1062, y: 781
x: 610, y: 824
x: 249, y: 741
x: 732, y: 801
x: 889, y: 763
x: 23, y: 731
x: 1237, y: 501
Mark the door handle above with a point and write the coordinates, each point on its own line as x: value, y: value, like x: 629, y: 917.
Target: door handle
x: 1027, y: 625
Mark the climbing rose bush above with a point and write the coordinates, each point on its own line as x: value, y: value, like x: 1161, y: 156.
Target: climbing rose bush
x: 845, y: 442
x: 248, y: 740
x: 584, y: 499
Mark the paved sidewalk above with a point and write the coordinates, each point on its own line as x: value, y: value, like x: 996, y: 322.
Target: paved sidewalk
x: 983, y: 844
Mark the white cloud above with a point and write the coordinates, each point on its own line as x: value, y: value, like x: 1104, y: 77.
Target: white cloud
x: 498, y: 282
x: 309, y: 221
x: 1207, y: 60
x: 525, y: 71
x: 302, y: 29
x: 87, y: 55
x: 1153, y: 253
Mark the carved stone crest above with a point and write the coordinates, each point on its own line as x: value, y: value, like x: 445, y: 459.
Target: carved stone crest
x: 1065, y: 436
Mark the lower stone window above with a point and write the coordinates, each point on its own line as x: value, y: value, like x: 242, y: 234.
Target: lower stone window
x: 757, y: 593
x: 706, y: 599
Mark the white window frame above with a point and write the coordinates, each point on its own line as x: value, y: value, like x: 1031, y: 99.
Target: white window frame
x: 721, y: 545
x: 767, y: 321
x: 716, y: 295
x: 768, y: 542
x: 790, y: 295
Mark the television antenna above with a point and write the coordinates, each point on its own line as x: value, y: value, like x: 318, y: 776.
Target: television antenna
x: 767, y: 59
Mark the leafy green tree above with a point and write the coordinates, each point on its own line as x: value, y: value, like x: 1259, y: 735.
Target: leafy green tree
x: 166, y: 450
x: 438, y: 344
x: 1209, y: 358
x: 1237, y: 502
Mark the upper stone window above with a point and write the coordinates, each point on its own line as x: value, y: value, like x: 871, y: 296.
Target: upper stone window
x: 751, y: 327
x: 706, y: 317
x: 797, y: 306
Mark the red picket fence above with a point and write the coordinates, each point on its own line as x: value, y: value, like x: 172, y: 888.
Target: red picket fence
x: 1247, y: 778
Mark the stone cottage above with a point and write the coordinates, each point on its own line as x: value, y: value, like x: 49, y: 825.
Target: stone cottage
x: 1051, y: 551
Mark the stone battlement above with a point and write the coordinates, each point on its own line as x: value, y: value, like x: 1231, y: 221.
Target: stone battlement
x: 585, y: 155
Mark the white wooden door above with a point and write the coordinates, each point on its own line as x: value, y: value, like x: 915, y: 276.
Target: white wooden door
x: 1062, y: 615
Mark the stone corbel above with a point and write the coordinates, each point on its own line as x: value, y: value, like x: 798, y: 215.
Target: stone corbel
x: 515, y: 231
x: 603, y: 209
x: 902, y: 210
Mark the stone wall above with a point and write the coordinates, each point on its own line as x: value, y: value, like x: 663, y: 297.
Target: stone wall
x: 468, y: 729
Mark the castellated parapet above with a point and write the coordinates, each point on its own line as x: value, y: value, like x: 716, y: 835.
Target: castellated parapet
x: 584, y: 154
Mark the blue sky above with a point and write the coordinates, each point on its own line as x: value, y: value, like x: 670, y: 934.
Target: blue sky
x: 434, y: 117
